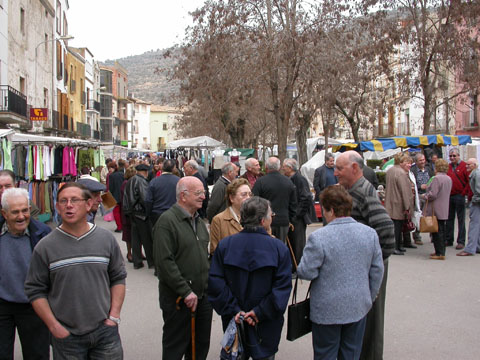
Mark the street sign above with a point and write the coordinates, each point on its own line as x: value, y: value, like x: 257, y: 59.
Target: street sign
x: 38, y: 114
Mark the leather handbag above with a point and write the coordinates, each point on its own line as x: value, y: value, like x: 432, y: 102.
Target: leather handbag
x: 299, y: 323
x: 429, y: 224
x: 408, y: 225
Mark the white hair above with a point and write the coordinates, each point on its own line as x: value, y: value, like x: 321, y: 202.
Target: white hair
x: 13, y: 193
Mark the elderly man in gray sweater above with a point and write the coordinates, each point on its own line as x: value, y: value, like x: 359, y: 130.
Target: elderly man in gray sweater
x: 344, y: 262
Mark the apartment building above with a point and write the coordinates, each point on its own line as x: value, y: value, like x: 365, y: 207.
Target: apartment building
x: 162, y: 126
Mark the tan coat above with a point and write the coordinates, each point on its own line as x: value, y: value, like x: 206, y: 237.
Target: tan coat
x: 223, y: 225
x: 398, y: 193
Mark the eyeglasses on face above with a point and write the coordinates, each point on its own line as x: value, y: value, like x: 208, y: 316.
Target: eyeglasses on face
x: 196, y: 193
x: 272, y: 215
x: 245, y: 194
x: 73, y: 201
x: 452, y: 155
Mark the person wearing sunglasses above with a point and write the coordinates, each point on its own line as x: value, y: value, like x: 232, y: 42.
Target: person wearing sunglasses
x: 457, y: 171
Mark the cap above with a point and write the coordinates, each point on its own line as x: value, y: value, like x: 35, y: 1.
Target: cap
x: 92, y: 185
x: 142, y: 167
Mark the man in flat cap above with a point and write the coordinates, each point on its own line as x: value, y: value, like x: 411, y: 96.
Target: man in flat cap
x: 134, y: 206
x: 95, y: 187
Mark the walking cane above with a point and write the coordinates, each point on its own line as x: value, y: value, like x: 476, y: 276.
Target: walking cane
x: 192, y: 324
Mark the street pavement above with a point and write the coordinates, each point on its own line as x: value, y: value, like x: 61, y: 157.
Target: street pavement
x: 432, y: 310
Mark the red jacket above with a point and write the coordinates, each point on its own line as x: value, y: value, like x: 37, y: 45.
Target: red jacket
x: 460, y: 179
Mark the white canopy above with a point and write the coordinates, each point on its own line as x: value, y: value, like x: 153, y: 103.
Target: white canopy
x: 308, y: 169
x: 26, y: 138
x: 203, y: 142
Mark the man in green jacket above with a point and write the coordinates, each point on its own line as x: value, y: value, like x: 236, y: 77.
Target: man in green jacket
x: 180, y: 240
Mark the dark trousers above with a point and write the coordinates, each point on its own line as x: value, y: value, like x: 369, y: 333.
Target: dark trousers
x: 102, y: 343
x: 34, y: 335
x: 280, y: 232
x: 141, y: 235
x: 372, y: 348
x: 456, y: 206
x: 177, y: 330
x: 298, y: 238
x: 439, y: 238
x: 342, y: 342
x: 397, y: 227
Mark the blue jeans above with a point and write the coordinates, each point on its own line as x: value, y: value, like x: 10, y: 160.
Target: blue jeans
x: 102, y: 343
x: 342, y: 342
x: 474, y: 229
x: 456, y: 206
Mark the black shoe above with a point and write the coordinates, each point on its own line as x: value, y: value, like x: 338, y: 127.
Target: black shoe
x: 402, y: 249
x: 448, y: 244
x: 118, y: 231
x: 397, y: 252
x: 139, y: 266
x: 410, y: 246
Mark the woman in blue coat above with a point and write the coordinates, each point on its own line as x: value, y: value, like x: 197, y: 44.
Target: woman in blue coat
x: 250, y: 275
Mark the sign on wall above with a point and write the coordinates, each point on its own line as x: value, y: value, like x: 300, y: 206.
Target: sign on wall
x: 38, y: 114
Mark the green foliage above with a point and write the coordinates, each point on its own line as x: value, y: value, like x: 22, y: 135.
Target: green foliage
x: 381, y: 176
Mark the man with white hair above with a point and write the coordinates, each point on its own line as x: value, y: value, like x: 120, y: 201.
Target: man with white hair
x: 473, y: 245
x: 19, y: 235
x: 181, y: 262
x: 253, y: 171
x: 280, y: 191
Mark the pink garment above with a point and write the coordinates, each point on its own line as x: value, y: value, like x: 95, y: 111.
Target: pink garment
x: 73, y: 165
x: 66, y: 161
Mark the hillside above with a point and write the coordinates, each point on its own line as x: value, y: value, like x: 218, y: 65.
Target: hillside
x: 143, y: 82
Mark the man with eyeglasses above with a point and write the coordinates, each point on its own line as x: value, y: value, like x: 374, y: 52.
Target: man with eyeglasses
x: 76, y: 282
x: 457, y: 171
x: 181, y: 261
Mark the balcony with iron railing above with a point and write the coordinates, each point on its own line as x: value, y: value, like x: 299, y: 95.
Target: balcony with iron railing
x: 13, y: 106
x: 84, y: 130
x: 93, y: 105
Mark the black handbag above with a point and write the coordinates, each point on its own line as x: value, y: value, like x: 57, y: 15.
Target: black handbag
x: 299, y: 323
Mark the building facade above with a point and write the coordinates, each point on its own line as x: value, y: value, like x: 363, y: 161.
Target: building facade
x: 162, y: 126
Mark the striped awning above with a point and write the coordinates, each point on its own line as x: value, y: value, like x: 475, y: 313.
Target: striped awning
x: 383, y: 144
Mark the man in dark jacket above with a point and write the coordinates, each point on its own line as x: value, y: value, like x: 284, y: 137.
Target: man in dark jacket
x: 161, y: 192
x: 298, y: 236
x: 457, y: 170
x: 181, y: 261
x: 134, y: 206
x: 324, y: 176
x: 19, y: 235
x: 280, y: 191
x: 217, y: 202
x: 257, y: 290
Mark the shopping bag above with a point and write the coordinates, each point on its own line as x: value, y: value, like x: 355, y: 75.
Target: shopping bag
x: 298, y: 323
x: 108, y: 200
x: 429, y: 224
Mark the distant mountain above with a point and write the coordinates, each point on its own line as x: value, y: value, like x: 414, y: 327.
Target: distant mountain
x: 143, y: 82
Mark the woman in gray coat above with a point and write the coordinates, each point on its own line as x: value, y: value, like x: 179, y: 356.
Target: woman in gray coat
x: 438, y: 196
x: 344, y: 262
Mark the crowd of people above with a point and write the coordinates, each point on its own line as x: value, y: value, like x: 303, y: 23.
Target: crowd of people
x: 234, y: 251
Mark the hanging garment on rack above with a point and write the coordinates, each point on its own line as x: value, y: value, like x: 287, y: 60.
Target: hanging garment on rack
x: 7, y: 151
x: 73, y: 164
x: 27, y: 163
x: 66, y: 161
x: 58, y: 160
x: 13, y: 156
x: 20, y: 160
x: 38, y: 161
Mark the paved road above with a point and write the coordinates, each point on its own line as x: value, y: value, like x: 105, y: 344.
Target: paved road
x: 432, y: 311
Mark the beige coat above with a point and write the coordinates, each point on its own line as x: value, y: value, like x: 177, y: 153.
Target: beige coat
x: 398, y: 193
x: 223, y: 225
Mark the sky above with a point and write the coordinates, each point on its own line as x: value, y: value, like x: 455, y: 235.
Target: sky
x: 113, y: 29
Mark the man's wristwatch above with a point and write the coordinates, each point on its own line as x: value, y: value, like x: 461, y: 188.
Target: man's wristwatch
x: 114, y: 319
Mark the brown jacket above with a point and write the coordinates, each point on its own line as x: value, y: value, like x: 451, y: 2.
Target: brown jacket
x: 398, y: 193
x: 223, y: 225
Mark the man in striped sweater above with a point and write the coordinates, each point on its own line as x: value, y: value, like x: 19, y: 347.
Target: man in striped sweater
x: 368, y: 210
x: 76, y: 282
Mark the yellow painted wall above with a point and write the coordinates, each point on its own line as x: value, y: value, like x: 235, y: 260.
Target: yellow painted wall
x: 76, y: 72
